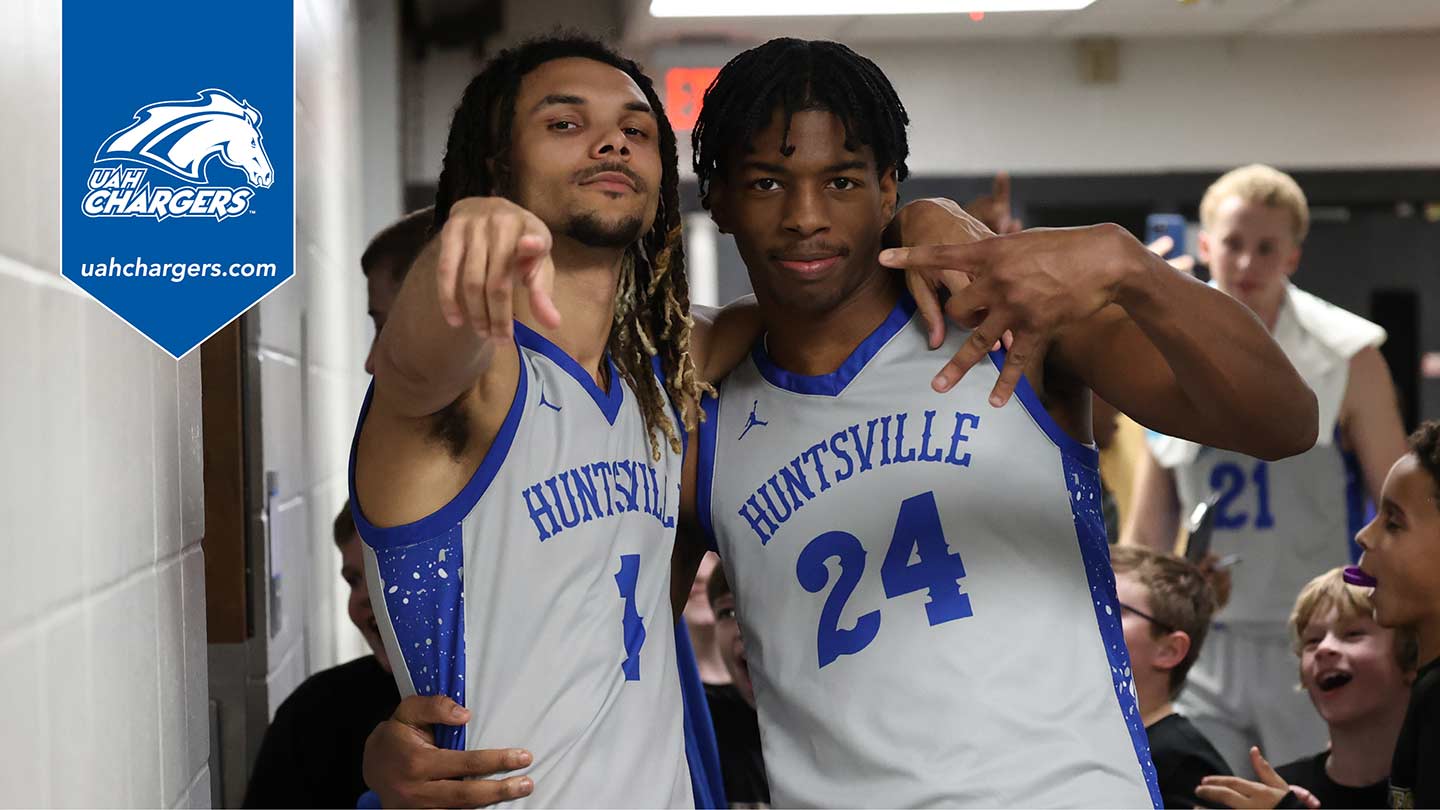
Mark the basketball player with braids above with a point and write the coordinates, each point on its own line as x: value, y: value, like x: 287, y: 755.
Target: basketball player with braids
x: 516, y: 469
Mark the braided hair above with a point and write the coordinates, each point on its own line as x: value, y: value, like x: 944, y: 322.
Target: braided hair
x: 794, y: 75
x: 652, y: 310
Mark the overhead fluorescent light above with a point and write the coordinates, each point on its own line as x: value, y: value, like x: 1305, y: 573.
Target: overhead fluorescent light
x: 848, y: 8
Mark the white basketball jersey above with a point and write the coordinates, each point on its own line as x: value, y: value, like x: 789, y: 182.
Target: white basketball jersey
x: 923, y: 584
x: 539, y: 596
x: 1293, y: 519
x: 1288, y: 521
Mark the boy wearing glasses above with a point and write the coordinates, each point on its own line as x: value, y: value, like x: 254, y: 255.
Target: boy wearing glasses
x: 1165, y: 608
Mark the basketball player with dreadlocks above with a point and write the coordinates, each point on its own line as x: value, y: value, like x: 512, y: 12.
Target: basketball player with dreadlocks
x: 516, y: 470
x: 919, y: 564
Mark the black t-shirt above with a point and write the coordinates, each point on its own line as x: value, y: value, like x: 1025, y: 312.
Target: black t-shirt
x: 313, y: 750
x: 737, y: 735
x: 1310, y: 774
x: 1415, y: 770
x: 1182, y: 757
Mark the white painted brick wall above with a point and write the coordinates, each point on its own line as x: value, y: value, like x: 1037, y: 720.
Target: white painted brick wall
x: 102, y: 622
x: 102, y: 520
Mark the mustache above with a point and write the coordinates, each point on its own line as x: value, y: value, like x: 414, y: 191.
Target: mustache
x: 816, y: 248
x: 619, y: 168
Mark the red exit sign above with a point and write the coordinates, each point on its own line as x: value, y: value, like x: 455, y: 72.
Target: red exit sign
x: 684, y: 90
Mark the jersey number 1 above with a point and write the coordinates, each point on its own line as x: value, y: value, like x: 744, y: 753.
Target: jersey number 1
x: 919, y: 536
x: 634, y: 627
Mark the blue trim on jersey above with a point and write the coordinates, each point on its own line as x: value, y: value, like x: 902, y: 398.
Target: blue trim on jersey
x: 1084, y: 453
x: 702, y: 752
x: 833, y: 384
x: 1358, y: 507
x: 423, y: 588
x: 705, y: 474
x: 1083, y: 484
x: 452, y: 513
x: 608, y: 402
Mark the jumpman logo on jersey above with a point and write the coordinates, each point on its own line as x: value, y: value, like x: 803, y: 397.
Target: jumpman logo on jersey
x: 545, y: 404
x: 753, y: 421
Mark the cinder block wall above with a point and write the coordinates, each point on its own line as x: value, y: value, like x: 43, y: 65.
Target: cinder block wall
x: 103, y: 680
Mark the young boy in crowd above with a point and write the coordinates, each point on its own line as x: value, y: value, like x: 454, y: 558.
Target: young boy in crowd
x: 732, y: 706
x: 1165, y: 608
x: 1358, y: 675
x: 1402, y: 560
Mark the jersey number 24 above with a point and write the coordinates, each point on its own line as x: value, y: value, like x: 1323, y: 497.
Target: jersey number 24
x: 918, y: 534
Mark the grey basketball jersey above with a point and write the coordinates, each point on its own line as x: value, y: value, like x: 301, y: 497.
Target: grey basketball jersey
x: 923, y: 584
x: 539, y: 596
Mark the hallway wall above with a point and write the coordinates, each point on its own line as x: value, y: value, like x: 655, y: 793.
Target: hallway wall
x: 103, y: 678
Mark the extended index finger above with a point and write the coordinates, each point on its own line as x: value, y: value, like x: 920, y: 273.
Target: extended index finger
x: 537, y: 271
x: 969, y: 257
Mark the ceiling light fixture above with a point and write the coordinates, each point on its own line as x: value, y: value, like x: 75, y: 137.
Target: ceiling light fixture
x: 848, y: 8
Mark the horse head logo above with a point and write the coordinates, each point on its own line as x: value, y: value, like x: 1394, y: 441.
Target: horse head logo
x: 180, y: 137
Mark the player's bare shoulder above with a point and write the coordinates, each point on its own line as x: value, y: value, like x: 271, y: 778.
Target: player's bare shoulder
x: 722, y: 337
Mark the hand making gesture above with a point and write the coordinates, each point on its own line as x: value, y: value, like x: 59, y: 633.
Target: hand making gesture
x: 487, y: 246
x: 1032, y: 283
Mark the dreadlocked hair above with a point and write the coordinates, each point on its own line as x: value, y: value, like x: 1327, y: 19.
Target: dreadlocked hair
x: 794, y: 75
x: 652, y: 323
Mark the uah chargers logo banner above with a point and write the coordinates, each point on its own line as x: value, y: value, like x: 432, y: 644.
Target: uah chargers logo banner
x: 181, y: 139
x: 178, y: 193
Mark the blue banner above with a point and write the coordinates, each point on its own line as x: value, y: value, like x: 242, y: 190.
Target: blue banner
x: 178, y: 160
